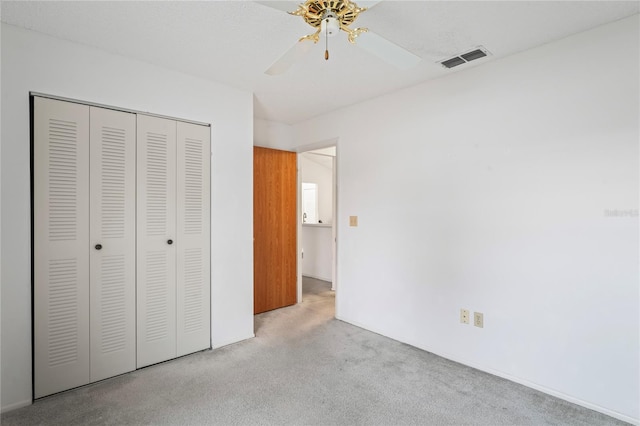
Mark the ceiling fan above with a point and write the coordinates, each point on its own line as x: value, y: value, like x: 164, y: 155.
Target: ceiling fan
x: 328, y: 18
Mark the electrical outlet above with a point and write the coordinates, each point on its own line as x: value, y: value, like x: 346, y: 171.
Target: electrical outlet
x: 478, y: 319
x: 353, y: 220
x: 464, y: 316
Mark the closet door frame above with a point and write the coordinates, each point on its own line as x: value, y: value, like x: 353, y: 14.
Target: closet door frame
x: 36, y: 305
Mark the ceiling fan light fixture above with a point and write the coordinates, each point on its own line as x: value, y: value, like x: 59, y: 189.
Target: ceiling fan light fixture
x: 331, y: 15
x: 328, y: 18
x: 330, y: 25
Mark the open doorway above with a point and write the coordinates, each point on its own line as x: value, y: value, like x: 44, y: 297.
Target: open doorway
x: 317, y: 214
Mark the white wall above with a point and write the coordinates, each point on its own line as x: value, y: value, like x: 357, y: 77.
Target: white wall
x: 314, y: 172
x: 488, y: 190
x: 316, y: 240
x: 34, y: 62
x: 318, y: 254
x: 272, y: 134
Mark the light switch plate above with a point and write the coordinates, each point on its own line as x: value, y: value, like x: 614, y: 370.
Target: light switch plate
x: 353, y: 220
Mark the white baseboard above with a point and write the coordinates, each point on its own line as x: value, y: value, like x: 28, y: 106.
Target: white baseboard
x: 15, y: 406
x: 509, y: 377
x: 217, y: 345
x: 317, y: 277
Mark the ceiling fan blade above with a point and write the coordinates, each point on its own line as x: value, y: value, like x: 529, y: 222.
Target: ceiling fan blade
x: 387, y: 51
x: 367, y: 3
x: 285, y: 6
x: 290, y: 57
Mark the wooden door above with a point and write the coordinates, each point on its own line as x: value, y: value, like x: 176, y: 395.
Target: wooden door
x: 274, y: 229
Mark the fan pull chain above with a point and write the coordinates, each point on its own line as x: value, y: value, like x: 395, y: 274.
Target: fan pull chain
x: 326, y: 41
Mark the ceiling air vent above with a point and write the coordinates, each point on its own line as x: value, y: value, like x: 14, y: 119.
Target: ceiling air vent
x: 478, y: 53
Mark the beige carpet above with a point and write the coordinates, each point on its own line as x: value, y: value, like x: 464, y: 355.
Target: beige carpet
x: 304, y: 367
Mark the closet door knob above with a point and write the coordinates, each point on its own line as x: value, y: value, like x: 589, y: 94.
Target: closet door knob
x: 169, y: 242
x: 98, y: 246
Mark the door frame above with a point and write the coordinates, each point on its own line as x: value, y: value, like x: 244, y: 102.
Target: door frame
x: 328, y: 143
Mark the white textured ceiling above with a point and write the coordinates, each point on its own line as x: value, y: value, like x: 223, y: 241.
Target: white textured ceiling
x: 233, y: 42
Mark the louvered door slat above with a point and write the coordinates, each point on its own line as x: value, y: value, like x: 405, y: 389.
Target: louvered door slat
x: 113, y: 269
x: 193, y: 249
x: 156, y: 225
x: 61, y: 238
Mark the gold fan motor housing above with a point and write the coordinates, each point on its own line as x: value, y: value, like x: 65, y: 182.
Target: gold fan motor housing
x: 345, y: 11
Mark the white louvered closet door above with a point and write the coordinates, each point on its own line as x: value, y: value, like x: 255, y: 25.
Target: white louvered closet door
x: 112, y: 242
x: 156, y: 230
x: 61, y: 242
x: 193, y: 244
